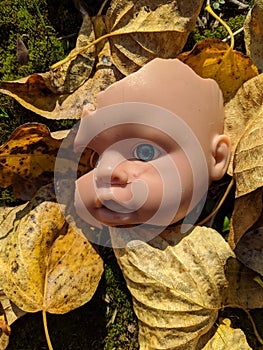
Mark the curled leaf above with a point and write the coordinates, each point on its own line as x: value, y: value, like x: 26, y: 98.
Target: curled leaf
x: 142, y: 30
x: 248, y: 160
x: 249, y: 250
x: 253, y: 34
x: 176, y: 286
x: 212, y: 58
x: 47, y: 264
x: 242, y: 290
x: 243, y: 109
x: 247, y: 210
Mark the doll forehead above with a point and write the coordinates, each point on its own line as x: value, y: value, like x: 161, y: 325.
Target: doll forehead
x: 131, y: 130
x: 172, y: 85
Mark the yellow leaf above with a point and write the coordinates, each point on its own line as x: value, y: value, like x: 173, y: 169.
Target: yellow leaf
x: 142, y: 30
x: 47, y: 264
x: 176, y: 286
x: 227, y: 337
x: 212, y: 58
x: 253, y: 34
x: 248, y: 159
x: 242, y: 110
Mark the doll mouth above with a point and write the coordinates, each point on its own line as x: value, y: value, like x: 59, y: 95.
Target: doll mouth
x: 111, y: 213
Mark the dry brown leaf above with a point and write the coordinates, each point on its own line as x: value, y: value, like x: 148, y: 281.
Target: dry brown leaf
x: 47, y: 264
x: 253, y: 34
x: 67, y: 77
x: 242, y: 290
x: 28, y: 158
x: 152, y: 28
x: 243, y: 109
x: 176, y: 288
x: 249, y: 250
x: 33, y: 94
x: 227, y: 338
x: 212, y: 58
x: 247, y: 210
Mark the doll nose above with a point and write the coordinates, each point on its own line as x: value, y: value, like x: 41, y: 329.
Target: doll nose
x: 111, y: 169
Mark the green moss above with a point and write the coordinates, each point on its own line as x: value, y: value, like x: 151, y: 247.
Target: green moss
x: 122, y: 331
x: 220, y: 32
x: 19, y: 18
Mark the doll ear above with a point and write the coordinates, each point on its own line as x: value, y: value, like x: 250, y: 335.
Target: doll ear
x: 221, y: 155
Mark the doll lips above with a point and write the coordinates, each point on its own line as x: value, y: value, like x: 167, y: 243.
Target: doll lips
x: 111, y: 213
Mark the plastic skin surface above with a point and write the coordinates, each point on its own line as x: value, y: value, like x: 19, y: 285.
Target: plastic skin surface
x: 158, y: 134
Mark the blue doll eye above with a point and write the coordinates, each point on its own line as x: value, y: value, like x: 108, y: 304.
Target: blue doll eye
x: 146, y: 152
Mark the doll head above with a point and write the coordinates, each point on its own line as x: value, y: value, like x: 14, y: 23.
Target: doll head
x: 158, y: 137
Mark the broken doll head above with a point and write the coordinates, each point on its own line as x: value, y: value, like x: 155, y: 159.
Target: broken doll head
x: 158, y: 140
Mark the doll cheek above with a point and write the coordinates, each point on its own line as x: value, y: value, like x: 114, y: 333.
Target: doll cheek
x: 85, y: 188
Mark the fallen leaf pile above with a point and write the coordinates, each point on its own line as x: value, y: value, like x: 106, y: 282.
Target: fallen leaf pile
x: 178, y: 284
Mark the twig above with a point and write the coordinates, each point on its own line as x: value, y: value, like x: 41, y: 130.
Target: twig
x: 219, y: 204
x: 102, y: 7
x: 235, y: 33
x: 67, y: 36
x: 241, y: 6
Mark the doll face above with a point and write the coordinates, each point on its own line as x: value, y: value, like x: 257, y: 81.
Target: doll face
x: 126, y: 186
x: 143, y: 173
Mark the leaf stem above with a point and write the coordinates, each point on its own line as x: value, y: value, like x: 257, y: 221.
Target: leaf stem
x: 209, y: 10
x: 44, y: 315
x: 219, y: 204
x: 84, y: 48
x: 102, y: 7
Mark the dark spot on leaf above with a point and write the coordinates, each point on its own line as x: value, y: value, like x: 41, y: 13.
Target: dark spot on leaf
x: 15, y: 267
